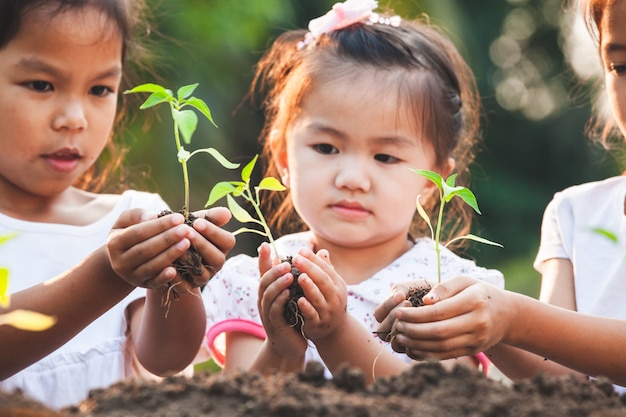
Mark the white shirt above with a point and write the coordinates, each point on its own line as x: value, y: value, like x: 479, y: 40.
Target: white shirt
x: 95, y: 357
x: 233, y: 292
x: 567, y: 232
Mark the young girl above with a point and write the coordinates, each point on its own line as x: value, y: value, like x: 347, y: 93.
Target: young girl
x: 581, y: 270
x: 61, y: 65
x: 351, y: 107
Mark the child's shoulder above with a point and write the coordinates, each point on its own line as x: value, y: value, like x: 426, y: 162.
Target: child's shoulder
x: 590, y: 189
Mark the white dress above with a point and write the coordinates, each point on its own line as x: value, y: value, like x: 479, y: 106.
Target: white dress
x: 231, y: 296
x: 94, y: 358
x: 567, y: 232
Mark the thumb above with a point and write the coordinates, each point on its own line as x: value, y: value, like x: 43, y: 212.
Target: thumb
x: 448, y: 289
x: 133, y: 216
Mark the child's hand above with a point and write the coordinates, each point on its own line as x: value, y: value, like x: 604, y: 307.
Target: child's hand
x: 385, y: 312
x: 213, y: 242
x: 324, y: 305
x: 142, y: 246
x: 463, y: 316
x: 273, y: 294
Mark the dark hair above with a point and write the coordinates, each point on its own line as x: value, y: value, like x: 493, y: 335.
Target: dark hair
x: 433, y: 80
x: 602, y: 126
x: 129, y: 17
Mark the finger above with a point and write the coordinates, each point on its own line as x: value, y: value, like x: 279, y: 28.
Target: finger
x: 389, y: 322
x: 448, y: 288
x: 382, y: 311
x: 265, y: 258
x: 274, y: 274
x: 222, y: 239
x: 219, y: 216
x: 131, y: 217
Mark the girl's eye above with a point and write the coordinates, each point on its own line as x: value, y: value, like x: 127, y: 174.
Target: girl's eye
x: 40, y: 86
x: 325, y: 148
x: 101, y: 91
x: 617, y: 69
x: 386, y: 159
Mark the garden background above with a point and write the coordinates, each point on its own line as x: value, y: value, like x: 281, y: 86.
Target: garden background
x: 535, y: 105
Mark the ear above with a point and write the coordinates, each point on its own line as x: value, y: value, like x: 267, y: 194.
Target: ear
x: 448, y: 167
x: 279, y: 156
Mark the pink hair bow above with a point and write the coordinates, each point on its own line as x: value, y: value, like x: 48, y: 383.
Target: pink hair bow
x: 340, y: 16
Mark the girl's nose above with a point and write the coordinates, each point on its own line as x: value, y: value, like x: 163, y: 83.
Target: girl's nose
x: 353, y: 175
x: 70, y: 116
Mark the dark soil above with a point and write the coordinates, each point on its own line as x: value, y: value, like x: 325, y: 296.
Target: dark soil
x: 416, y: 295
x: 424, y: 390
x: 189, y: 265
x: 292, y: 312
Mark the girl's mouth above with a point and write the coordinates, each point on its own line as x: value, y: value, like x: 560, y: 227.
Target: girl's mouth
x: 350, y: 209
x: 64, y: 160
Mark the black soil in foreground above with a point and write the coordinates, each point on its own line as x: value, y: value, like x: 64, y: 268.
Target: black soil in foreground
x: 424, y: 390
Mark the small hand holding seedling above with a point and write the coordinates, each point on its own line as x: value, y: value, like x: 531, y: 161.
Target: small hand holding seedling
x: 232, y: 189
x: 185, y: 124
x: 20, y: 319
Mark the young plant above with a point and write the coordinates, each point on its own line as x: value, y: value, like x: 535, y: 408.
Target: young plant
x: 20, y: 319
x: 185, y: 124
x: 447, y: 191
x: 231, y: 189
x: 243, y: 189
x: 183, y: 107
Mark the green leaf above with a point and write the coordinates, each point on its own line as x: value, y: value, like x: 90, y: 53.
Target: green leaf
x: 154, y: 99
x: 220, y: 190
x: 424, y: 215
x: 246, y: 172
x: 270, y: 183
x: 467, y: 196
x: 475, y: 238
x: 147, y: 88
x: 5, y: 238
x: 249, y: 230
x: 4, y: 287
x: 431, y: 175
x: 606, y: 233
x: 218, y: 156
x: 185, y: 91
x: 202, y: 107
x: 187, y: 122
x: 27, y: 320
x: 239, y: 212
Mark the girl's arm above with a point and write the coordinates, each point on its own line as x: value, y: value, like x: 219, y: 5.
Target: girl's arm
x: 284, y: 347
x: 75, y: 298
x: 467, y: 316
x: 167, y: 335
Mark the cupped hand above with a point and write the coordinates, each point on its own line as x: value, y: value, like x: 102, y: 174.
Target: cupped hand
x: 142, y: 246
x: 324, y: 305
x: 276, y: 278
x: 463, y: 316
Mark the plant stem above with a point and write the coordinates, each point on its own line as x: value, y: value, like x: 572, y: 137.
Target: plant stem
x: 268, y: 233
x: 437, y: 236
x: 183, y: 163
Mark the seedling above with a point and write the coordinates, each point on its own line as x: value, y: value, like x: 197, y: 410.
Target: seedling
x: 447, y: 191
x: 20, y: 319
x: 183, y: 107
x: 231, y: 189
x: 243, y: 189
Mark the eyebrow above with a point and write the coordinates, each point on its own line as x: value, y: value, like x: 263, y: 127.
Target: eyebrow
x: 35, y: 64
x: 383, y: 140
x: 614, y: 47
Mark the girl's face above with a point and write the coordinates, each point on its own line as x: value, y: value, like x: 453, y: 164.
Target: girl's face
x: 59, y: 80
x: 613, y: 52
x: 347, y: 161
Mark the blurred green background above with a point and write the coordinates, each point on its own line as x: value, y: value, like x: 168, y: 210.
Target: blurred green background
x: 535, y: 105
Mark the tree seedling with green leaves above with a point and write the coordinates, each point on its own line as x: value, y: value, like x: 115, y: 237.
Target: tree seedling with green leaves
x: 19, y: 318
x: 183, y: 107
x: 447, y: 191
x: 243, y: 189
